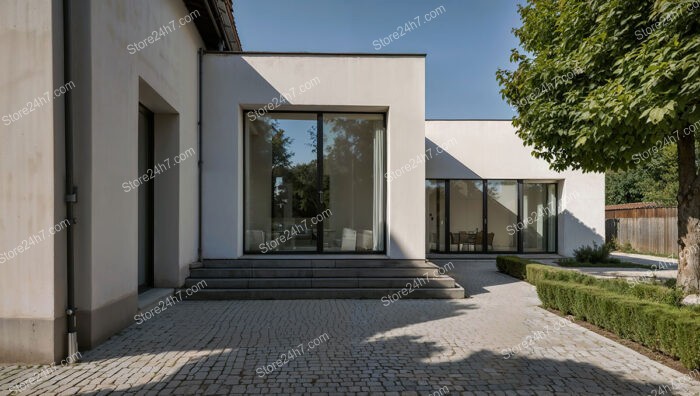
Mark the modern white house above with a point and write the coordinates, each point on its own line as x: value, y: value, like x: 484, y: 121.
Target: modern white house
x: 162, y: 154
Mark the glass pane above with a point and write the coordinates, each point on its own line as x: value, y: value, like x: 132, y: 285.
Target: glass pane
x: 538, y: 217
x: 552, y: 218
x: 502, y: 211
x: 281, y: 195
x: 353, y: 182
x: 466, y: 215
x: 435, y: 210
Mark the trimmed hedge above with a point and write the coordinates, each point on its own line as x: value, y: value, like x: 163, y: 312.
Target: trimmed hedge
x: 512, y: 265
x: 641, y: 291
x: 645, y: 313
x: 668, y: 329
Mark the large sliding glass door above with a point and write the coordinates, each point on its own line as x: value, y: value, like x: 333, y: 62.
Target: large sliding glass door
x: 314, y: 182
x: 353, y: 182
x: 491, y: 216
x: 280, y: 183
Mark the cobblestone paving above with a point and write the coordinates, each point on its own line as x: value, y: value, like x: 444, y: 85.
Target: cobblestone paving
x: 409, y: 347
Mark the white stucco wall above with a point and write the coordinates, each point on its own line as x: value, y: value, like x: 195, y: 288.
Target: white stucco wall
x: 110, y: 83
x: 30, y: 147
x: 491, y: 150
x: 349, y: 83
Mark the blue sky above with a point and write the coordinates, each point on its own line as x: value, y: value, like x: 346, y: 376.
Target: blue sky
x: 465, y: 45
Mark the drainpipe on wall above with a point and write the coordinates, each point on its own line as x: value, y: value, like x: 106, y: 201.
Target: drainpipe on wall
x: 71, y: 196
x: 199, y: 160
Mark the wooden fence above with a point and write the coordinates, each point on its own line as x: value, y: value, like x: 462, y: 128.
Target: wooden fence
x: 647, y: 229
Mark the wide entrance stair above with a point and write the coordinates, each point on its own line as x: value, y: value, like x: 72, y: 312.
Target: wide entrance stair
x: 286, y: 279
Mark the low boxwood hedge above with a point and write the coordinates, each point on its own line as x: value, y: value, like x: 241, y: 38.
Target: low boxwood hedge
x: 645, y: 313
x: 512, y: 265
x: 642, y: 291
x: 671, y: 330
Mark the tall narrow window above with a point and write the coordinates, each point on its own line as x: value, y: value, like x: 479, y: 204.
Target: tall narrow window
x: 436, y: 213
x: 353, y: 182
x: 280, y: 183
x: 466, y: 216
x: 296, y: 203
x: 502, y: 215
x: 539, y: 214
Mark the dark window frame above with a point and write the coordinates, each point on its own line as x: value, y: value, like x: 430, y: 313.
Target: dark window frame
x: 519, y: 238
x: 319, y: 183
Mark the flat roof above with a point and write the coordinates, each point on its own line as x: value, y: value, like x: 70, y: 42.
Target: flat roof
x: 371, y: 54
x: 469, y: 119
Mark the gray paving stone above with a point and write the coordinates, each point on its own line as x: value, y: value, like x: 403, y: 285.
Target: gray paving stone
x: 410, y: 347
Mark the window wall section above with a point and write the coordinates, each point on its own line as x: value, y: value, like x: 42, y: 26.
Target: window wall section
x: 436, y: 213
x: 490, y: 216
x: 353, y: 182
x: 314, y: 183
x: 466, y: 216
x: 281, y: 194
x: 502, y: 207
x: 539, y: 210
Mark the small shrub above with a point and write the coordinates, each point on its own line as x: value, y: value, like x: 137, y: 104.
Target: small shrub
x: 627, y: 248
x: 613, y: 244
x: 594, y: 254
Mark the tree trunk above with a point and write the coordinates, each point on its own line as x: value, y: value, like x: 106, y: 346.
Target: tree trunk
x: 688, y: 215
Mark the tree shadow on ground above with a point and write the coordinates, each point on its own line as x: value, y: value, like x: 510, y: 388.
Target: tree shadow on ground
x: 219, y: 347
x: 394, y: 364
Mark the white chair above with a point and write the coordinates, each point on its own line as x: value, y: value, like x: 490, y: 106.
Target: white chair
x: 349, y: 239
x: 364, y: 240
x: 254, y: 238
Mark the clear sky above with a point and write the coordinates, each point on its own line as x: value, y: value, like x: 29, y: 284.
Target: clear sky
x: 465, y: 44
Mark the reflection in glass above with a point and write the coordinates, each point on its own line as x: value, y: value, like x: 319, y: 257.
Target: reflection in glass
x: 539, y: 214
x: 435, y: 210
x: 281, y: 195
x: 466, y: 215
x: 502, y: 212
x: 353, y: 182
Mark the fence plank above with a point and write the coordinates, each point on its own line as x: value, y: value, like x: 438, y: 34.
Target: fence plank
x: 648, y: 230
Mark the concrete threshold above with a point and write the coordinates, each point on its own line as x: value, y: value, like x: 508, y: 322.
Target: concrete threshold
x: 151, y: 297
x: 492, y: 256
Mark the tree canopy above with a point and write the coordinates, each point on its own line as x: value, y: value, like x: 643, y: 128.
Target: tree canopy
x: 611, y: 85
x: 603, y: 80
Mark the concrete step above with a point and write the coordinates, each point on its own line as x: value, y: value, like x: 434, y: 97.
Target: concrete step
x: 331, y: 293
x: 315, y: 263
x: 383, y: 272
x: 339, y: 283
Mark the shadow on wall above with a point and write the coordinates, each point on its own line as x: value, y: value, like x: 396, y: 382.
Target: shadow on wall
x: 572, y: 229
x: 450, y: 167
x: 221, y: 220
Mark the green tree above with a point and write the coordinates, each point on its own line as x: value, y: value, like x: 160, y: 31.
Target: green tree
x: 654, y: 180
x: 623, y: 187
x: 603, y: 82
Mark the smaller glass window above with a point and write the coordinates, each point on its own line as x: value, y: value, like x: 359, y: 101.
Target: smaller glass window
x: 539, y: 217
x: 436, y: 216
x: 466, y: 216
x: 502, y: 212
